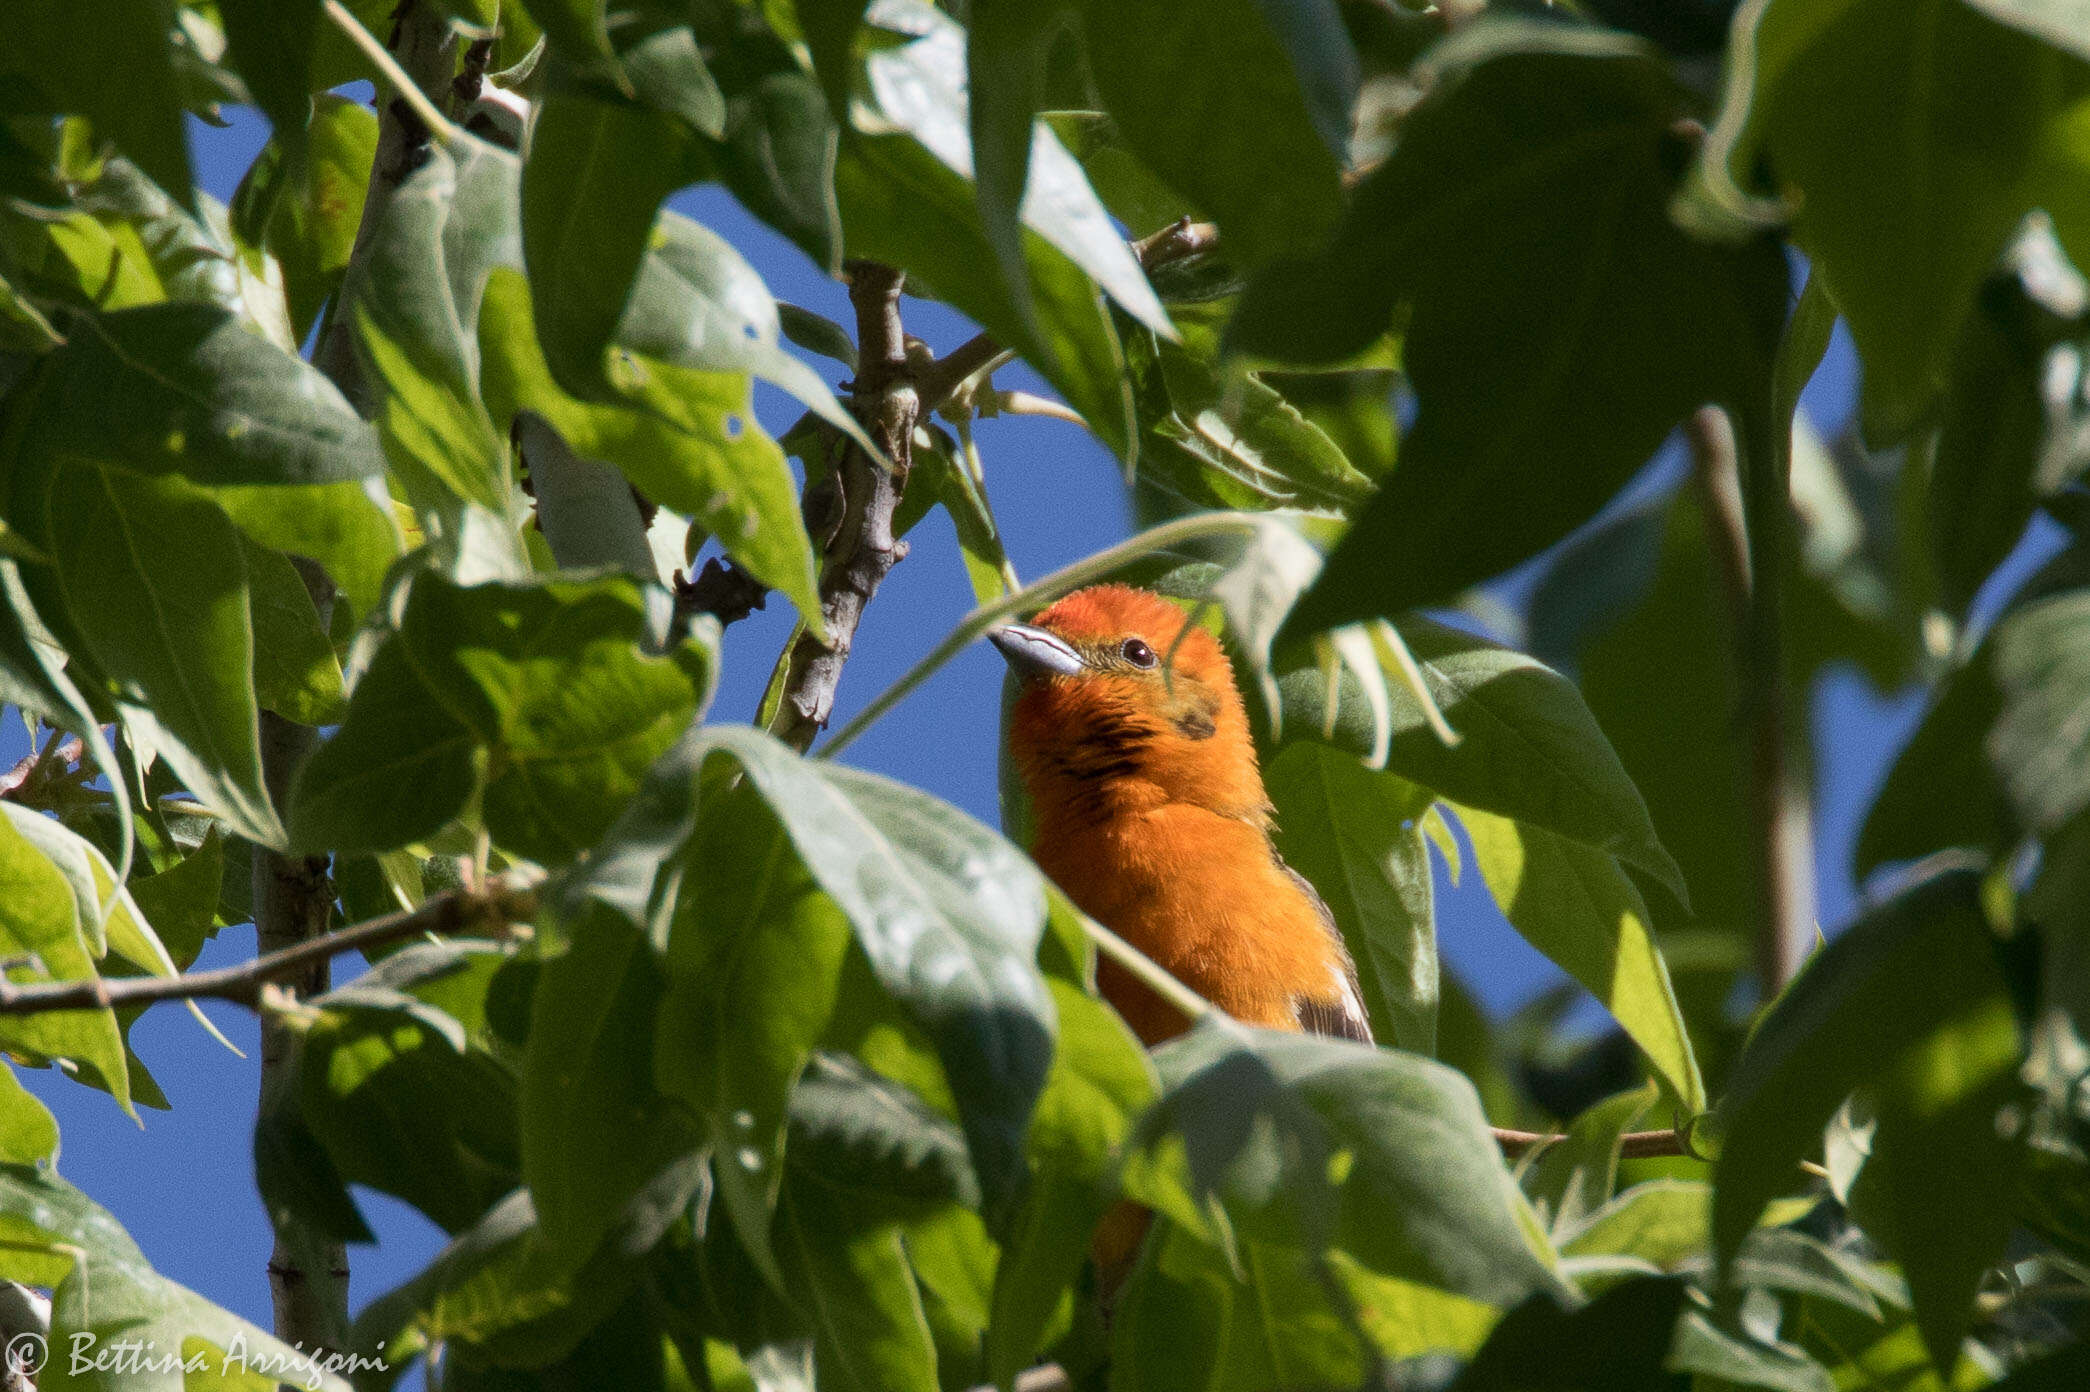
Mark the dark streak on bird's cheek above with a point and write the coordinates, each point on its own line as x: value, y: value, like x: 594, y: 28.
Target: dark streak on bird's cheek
x: 1196, y: 724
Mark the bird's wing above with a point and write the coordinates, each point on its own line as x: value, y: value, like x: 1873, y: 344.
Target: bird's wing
x: 1341, y: 1014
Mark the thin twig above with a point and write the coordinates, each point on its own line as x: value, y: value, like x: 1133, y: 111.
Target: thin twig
x: 1178, y: 241
x: 860, y: 548
x: 1633, y: 1145
x: 1780, y: 806
x: 409, y: 91
x: 458, y: 912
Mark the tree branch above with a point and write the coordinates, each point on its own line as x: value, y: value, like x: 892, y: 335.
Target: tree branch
x: 1780, y: 802
x: 1178, y: 241
x: 1633, y: 1145
x: 459, y: 913
x: 293, y: 896
x: 859, y: 549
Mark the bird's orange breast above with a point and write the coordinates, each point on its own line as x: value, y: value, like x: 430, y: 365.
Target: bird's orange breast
x: 1203, y: 896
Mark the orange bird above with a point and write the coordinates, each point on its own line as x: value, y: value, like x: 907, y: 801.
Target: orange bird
x: 1149, y: 811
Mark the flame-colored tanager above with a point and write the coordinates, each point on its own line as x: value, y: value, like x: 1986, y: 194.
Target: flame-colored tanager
x: 1148, y: 809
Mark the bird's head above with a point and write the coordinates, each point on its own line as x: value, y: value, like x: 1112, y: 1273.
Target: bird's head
x: 1125, y: 703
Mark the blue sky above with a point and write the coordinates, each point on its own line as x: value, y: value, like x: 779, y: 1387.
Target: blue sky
x: 183, y: 1184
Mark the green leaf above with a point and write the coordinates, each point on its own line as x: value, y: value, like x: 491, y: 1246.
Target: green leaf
x: 1189, y: 1319
x: 347, y: 528
x: 1243, y: 107
x: 1666, y: 1222
x: 830, y: 28
x: 1253, y: 1117
x: 271, y: 42
x: 1903, y: 173
x: 111, y: 61
x: 778, y: 154
x: 151, y: 571
x: 184, y: 388
x: 296, y: 674
x: 1530, y: 190
x: 390, y: 1087
x: 702, y: 453
x: 1881, y: 987
x: 1619, y: 1341
x: 1573, y: 903
x: 1357, y: 835
x: 594, y: 1129
x: 597, y: 173
x: 309, y: 223
x: 2005, y: 734
x: 589, y: 513
x: 181, y: 902
x: 1528, y: 747
x: 107, y: 1291
x: 413, y: 304
x: 1572, y: 1178
x: 1225, y: 438
x: 28, y: 1131
x: 754, y: 964
x: 855, y: 1286
x: 547, y: 699
x: 921, y: 87
x: 1928, y: 1192
x: 579, y: 29
x: 948, y: 914
x: 1099, y: 1083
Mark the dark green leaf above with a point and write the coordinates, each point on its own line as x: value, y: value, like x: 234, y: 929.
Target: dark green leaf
x: 595, y: 1131
x: 1885, y: 984
x: 596, y: 176
x: 577, y: 28
x: 1099, y: 1083
x: 1531, y: 190
x: 1357, y: 836
x: 1905, y: 173
x: 295, y: 671
x: 112, y: 62
x: 2005, y: 735
x: 1929, y: 1190
x: 1425, y: 1197
x: 271, y: 41
x: 1619, y: 1341
x: 855, y: 1286
x: 830, y: 28
x: 548, y: 692
x: 152, y: 573
x: 392, y: 1090
x: 754, y: 962
x: 778, y: 155
x: 1243, y: 107
x: 185, y: 388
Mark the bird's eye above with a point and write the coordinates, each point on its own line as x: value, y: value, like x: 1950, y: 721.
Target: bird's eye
x: 1138, y: 653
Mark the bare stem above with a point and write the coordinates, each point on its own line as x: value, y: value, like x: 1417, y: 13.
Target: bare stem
x: 1780, y: 804
x: 860, y: 549
x: 483, y: 913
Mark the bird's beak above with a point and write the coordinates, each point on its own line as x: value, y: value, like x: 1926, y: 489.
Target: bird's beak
x: 1034, y: 651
